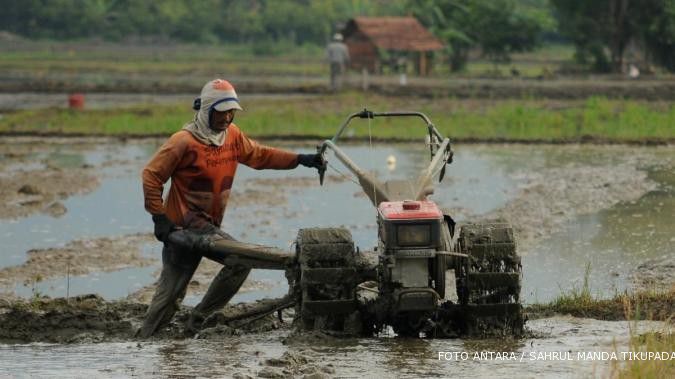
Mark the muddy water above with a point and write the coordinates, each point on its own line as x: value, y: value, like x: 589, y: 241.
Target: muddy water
x: 612, y: 244
x: 630, y: 244
x: 261, y: 209
x: 269, y: 207
x: 614, y: 239
x: 275, y: 354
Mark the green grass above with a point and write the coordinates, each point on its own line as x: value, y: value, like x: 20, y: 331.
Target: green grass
x: 53, y: 58
x: 35, y: 58
x: 656, y: 304
x: 650, y: 368
x: 320, y: 116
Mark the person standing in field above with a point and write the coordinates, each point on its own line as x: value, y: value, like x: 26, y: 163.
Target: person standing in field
x: 338, y: 58
x: 201, y: 160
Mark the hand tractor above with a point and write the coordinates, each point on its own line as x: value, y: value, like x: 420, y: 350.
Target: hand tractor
x: 337, y: 288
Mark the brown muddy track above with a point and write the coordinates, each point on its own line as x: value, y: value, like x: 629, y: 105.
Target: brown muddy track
x: 461, y: 88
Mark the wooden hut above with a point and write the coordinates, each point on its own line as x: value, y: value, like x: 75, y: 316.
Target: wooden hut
x: 374, y: 42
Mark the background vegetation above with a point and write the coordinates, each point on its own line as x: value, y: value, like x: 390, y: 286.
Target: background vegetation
x: 317, y: 117
x: 600, y: 30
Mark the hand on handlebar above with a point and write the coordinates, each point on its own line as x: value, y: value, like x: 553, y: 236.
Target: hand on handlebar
x: 311, y: 160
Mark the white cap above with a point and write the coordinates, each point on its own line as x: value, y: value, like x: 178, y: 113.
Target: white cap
x: 220, y: 95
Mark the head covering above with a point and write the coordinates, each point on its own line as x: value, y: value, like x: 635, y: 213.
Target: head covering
x: 219, y: 95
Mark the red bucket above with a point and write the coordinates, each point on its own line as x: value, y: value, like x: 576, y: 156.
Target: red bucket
x: 76, y: 101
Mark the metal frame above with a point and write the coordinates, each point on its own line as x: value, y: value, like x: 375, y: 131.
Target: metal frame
x: 440, y: 153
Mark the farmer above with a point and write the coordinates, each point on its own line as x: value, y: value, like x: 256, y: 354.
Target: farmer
x: 201, y: 161
x: 338, y: 58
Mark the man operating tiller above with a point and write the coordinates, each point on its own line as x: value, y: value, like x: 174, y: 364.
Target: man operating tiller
x: 201, y: 161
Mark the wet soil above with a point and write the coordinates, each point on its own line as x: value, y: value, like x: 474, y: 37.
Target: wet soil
x: 657, y: 274
x: 79, y: 258
x: 89, y: 318
x: 550, y: 197
x: 26, y: 192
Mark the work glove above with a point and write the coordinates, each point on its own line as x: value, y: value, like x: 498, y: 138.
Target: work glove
x: 310, y: 160
x: 163, y: 226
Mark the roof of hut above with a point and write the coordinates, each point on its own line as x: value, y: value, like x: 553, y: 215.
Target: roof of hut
x: 395, y: 33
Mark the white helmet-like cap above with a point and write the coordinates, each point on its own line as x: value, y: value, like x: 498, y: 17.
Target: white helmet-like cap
x: 219, y: 94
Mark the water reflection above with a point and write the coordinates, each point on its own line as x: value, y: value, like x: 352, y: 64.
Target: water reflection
x: 612, y: 243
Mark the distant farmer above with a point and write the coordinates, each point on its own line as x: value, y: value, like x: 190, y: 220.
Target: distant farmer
x: 201, y: 161
x: 338, y: 57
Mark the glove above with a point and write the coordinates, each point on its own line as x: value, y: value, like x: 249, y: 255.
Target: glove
x: 163, y: 226
x: 310, y: 160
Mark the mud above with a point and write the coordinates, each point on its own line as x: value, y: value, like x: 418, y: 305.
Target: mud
x: 23, y: 193
x: 89, y: 318
x: 79, y: 258
x: 550, y: 197
x: 656, y: 274
x: 249, y: 355
x: 273, y: 191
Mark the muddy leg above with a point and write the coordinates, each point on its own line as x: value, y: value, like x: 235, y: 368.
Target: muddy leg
x: 223, y: 287
x: 177, y: 270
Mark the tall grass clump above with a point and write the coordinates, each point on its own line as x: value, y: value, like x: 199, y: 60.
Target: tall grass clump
x: 658, y: 342
x: 577, y: 298
x: 661, y: 342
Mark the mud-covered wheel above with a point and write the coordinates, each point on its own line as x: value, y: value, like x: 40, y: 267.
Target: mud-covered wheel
x: 489, y: 282
x: 325, y: 288
x: 440, y: 265
x: 409, y: 324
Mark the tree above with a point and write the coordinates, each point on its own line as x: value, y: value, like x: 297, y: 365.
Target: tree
x: 501, y: 28
x: 657, y: 31
x: 598, y: 26
x: 447, y: 20
x: 601, y: 29
x: 498, y: 27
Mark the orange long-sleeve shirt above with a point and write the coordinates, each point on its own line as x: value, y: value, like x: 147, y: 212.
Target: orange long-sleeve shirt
x: 202, y: 175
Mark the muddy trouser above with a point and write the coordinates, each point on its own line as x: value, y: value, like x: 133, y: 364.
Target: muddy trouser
x: 178, y: 267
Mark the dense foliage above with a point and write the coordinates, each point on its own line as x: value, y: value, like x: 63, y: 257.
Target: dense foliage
x: 497, y: 27
x: 601, y: 30
x: 296, y: 21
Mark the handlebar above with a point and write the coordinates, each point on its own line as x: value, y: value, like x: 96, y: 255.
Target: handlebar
x: 437, y: 142
x: 365, y: 113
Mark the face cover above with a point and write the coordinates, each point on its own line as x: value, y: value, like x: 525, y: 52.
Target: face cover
x: 217, y: 95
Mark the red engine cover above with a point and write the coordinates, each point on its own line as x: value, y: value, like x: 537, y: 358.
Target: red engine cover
x: 409, y: 210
